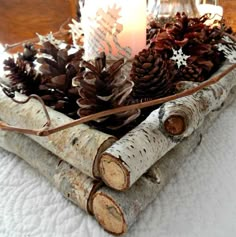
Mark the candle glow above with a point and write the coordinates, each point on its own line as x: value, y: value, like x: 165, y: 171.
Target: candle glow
x: 117, y: 27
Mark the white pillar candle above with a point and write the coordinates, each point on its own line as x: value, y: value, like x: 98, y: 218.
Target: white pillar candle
x: 117, y: 27
x: 215, y: 11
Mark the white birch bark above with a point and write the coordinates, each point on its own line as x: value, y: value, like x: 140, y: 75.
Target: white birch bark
x: 130, y: 157
x: 73, y: 184
x: 117, y: 211
x: 193, y: 109
x: 80, y: 145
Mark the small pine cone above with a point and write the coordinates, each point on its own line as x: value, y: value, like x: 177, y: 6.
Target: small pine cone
x: 198, y: 68
x: 22, y: 76
x: 190, y: 73
x: 152, y: 76
x: 103, y: 88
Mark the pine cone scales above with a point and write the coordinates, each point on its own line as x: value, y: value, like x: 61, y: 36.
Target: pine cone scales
x: 61, y: 62
x: 58, y: 69
x: 22, y: 77
x: 21, y: 71
x: 103, y: 88
x: 197, y: 40
x: 152, y: 76
x: 190, y: 73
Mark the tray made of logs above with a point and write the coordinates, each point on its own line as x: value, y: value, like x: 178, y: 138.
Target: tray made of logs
x: 138, y: 165
x: 112, y: 178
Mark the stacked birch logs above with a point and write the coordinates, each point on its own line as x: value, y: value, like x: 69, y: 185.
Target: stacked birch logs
x: 133, y: 169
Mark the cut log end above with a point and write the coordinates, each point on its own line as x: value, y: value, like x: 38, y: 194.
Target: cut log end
x: 106, y: 144
x: 108, y: 214
x: 114, y: 173
x: 96, y: 186
x: 175, y: 125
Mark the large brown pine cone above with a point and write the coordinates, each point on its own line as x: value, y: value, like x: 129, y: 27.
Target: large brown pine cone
x: 152, y: 75
x: 102, y: 88
x: 58, y: 69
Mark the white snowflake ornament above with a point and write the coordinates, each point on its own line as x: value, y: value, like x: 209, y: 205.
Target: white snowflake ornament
x: 49, y: 37
x: 179, y: 57
x: 229, y: 50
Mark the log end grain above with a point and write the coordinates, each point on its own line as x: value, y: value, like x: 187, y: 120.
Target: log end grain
x: 108, y: 214
x: 114, y: 173
x: 105, y: 145
x: 175, y: 125
x: 96, y: 186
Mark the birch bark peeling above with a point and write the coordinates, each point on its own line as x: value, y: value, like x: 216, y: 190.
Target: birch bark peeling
x: 73, y: 184
x: 80, y: 146
x: 117, y: 211
x: 126, y: 160
x: 191, y: 110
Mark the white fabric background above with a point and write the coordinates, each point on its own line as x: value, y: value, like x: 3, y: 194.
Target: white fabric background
x: 198, y: 202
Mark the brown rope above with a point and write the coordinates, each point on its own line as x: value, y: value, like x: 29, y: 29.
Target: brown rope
x: 11, y: 95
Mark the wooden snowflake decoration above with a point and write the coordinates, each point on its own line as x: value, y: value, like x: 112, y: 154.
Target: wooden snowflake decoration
x: 228, y: 49
x: 179, y: 57
x: 49, y: 37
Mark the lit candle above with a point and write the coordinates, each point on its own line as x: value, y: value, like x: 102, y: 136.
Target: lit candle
x: 117, y: 27
x: 215, y: 11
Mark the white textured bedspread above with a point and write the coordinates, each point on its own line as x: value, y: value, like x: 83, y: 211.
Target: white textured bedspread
x: 199, y: 201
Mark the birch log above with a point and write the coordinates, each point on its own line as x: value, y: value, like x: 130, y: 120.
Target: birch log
x: 182, y: 116
x: 130, y: 157
x: 73, y: 184
x: 80, y: 146
x: 117, y: 211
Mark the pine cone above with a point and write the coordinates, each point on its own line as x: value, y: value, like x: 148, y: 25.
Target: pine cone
x: 103, y: 88
x: 171, y: 35
x: 152, y: 76
x: 61, y: 67
x: 153, y: 28
x: 58, y: 71
x: 200, y: 67
x: 190, y: 72
x: 197, y: 40
x: 22, y: 76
